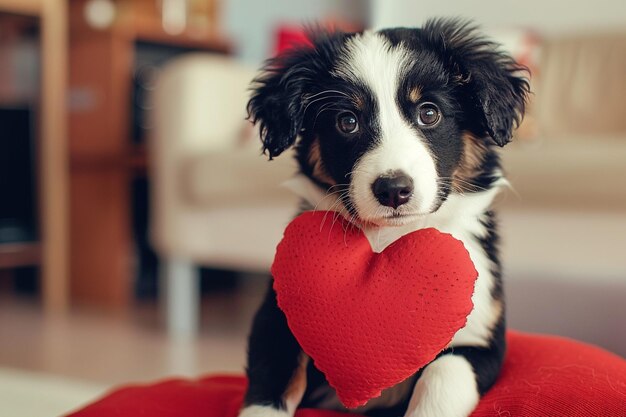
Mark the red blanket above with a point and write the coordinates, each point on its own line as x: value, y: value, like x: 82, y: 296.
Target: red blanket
x: 542, y: 376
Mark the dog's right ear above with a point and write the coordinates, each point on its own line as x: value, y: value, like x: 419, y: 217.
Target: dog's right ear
x: 489, y: 79
x: 277, y: 100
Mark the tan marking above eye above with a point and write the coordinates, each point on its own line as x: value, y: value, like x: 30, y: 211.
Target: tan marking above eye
x: 359, y: 103
x: 415, y: 93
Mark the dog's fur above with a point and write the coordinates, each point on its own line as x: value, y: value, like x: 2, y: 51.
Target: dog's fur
x: 383, y: 79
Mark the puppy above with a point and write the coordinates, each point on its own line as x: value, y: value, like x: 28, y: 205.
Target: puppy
x: 400, y: 128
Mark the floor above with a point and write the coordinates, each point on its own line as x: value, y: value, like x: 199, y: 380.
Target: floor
x: 65, y: 361
x: 90, y: 351
x: 36, y: 394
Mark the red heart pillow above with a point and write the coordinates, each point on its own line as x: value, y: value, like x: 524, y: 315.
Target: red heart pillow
x: 370, y: 320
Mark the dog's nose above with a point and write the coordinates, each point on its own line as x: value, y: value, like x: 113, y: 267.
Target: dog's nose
x: 393, y: 190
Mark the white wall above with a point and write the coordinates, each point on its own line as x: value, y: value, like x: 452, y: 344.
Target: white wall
x: 545, y: 16
x: 250, y: 23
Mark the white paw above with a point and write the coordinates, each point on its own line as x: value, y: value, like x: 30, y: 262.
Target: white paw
x: 262, y: 411
x: 446, y: 388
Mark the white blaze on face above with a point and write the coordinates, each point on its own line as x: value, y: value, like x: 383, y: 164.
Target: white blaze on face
x: 371, y: 60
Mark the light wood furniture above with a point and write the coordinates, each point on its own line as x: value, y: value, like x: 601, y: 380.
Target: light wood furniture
x: 103, y: 158
x: 52, y: 154
x: 27, y: 7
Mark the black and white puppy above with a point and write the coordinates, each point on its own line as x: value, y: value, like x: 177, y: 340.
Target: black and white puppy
x: 400, y: 128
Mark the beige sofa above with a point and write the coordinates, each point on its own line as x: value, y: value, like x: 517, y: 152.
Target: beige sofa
x: 219, y: 203
x: 216, y: 201
x: 564, y: 230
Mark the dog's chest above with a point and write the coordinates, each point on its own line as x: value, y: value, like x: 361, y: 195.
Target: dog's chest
x: 464, y: 216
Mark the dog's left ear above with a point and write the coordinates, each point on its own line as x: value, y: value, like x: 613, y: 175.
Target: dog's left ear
x: 490, y: 79
x: 276, y: 102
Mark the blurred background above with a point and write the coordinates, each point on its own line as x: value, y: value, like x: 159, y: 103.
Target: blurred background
x: 138, y: 221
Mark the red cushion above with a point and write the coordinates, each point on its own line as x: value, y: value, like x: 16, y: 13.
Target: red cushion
x: 542, y: 376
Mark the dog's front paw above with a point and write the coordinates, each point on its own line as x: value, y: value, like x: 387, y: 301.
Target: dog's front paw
x: 446, y: 388
x: 262, y: 411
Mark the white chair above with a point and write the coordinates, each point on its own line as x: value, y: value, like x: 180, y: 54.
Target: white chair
x: 216, y: 201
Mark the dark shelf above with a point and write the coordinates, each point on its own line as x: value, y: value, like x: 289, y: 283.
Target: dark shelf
x: 13, y: 255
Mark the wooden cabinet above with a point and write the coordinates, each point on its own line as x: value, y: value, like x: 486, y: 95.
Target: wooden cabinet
x: 51, y: 253
x: 103, y: 156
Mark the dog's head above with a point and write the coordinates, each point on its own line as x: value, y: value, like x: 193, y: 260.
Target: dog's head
x: 392, y: 121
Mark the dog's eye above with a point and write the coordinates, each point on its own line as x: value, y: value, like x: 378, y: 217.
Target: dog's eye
x: 347, y: 123
x: 428, y: 114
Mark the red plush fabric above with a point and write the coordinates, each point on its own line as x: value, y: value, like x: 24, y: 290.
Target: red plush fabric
x: 542, y: 376
x: 370, y: 320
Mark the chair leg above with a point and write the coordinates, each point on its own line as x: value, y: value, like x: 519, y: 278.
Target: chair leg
x: 181, y: 297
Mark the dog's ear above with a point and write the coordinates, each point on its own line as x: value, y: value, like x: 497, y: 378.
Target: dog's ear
x: 491, y: 82
x: 277, y: 99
